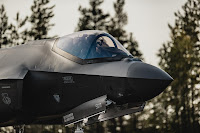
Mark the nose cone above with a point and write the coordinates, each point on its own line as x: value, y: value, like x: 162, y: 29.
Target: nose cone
x: 145, y: 71
x: 147, y: 81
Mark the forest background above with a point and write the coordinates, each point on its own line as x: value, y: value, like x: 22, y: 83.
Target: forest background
x: 177, y: 109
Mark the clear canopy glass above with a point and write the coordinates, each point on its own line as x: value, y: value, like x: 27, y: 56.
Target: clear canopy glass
x: 91, y: 45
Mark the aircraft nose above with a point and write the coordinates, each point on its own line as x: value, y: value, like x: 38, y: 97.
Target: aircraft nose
x: 146, y: 71
x: 147, y: 81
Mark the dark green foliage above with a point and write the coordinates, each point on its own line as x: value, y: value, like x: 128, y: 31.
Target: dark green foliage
x: 177, y: 109
x: 132, y: 125
x: 116, y: 29
x: 118, y: 21
x: 133, y: 47
x: 40, y: 20
x: 94, y: 128
x: 112, y: 125
x: 4, y: 27
x: 92, y: 18
x: 17, y: 34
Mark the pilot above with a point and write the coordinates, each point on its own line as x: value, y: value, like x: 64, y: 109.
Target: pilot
x: 100, y: 47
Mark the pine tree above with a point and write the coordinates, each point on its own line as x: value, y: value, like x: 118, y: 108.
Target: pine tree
x: 4, y: 27
x: 116, y: 29
x: 177, y: 108
x: 92, y: 18
x: 112, y: 125
x: 118, y: 21
x: 133, y: 47
x: 17, y: 34
x: 40, y: 20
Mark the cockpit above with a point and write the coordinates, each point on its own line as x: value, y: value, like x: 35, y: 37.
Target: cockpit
x: 92, y: 45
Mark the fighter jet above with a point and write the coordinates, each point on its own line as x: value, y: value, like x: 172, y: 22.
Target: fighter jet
x: 84, y: 77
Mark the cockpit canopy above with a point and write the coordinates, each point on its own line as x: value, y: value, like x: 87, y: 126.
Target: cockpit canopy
x: 92, y: 44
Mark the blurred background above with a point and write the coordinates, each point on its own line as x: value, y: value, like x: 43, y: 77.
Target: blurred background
x: 165, y: 33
